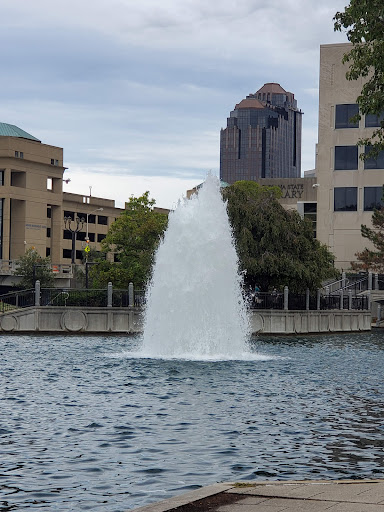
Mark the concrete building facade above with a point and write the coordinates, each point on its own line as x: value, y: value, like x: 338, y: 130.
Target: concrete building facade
x: 33, y: 206
x: 348, y: 187
x: 262, y: 138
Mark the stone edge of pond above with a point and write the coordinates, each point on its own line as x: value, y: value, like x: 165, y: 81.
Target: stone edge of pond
x: 234, y: 488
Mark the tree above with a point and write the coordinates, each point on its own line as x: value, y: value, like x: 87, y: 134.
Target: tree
x: 364, y: 23
x: 133, y: 238
x: 32, y: 267
x: 370, y: 259
x: 275, y: 246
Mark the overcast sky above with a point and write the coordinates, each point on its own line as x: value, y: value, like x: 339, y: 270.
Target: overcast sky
x: 136, y: 91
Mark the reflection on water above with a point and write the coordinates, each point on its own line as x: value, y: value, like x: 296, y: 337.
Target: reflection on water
x: 84, y: 427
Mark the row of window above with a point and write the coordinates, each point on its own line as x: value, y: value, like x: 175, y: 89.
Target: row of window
x: 101, y: 219
x: 347, y: 159
x: 81, y: 236
x: 345, y: 199
x: 344, y: 115
x: 19, y: 154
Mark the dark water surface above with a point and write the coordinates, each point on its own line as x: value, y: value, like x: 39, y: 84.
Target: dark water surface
x: 81, y: 430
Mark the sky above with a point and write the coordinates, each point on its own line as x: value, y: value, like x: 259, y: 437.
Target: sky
x: 136, y: 91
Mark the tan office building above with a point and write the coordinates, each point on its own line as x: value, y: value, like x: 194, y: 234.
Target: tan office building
x: 34, y: 210
x: 348, y: 188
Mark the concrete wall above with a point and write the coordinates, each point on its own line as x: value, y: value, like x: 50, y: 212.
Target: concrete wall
x: 341, y: 231
x: 302, y: 322
x: 71, y: 320
x: 130, y: 320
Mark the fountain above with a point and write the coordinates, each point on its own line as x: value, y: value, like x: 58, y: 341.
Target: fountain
x: 195, y: 308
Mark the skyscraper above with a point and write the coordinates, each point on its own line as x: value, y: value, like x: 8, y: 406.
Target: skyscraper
x: 263, y: 137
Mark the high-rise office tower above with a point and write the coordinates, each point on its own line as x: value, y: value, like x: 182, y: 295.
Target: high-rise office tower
x: 262, y: 138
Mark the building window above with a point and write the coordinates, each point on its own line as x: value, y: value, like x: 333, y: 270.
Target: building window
x: 345, y: 199
x: 79, y: 255
x: 102, y: 219
x: 69, y: 214
x: 67, y: 253
x: 48, y: 232
x: 21, y: 154
x: 100, y: 237
x: 310, y: 212
x: 49, y: 184
x: 91, y: 237
x: 346, y: 158
x: 374, y: 163
x: 49, y: 212
x: 343, y: 116
x: 47, y: 252
x: 373, y: 120
x: 54, y: 161
x: 1, y: 178
x: 373, y: 198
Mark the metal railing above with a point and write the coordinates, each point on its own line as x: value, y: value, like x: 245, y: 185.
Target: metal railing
x: 9, y: 267
x: 302, y: 302
x: 17, y: 300
x: 109, y: 297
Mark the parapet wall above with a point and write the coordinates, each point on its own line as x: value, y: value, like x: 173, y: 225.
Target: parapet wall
x: 130, y: 320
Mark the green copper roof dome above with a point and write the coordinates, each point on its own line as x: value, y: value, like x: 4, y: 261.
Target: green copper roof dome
x: 10, y: 130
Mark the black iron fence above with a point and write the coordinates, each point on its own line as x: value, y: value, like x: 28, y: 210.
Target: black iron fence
x: 73, y: 297
x: 125, y: 298
x: 302, y: 302
x: 16, y: 300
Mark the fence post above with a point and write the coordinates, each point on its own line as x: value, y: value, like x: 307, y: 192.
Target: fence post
x: 318, y: 300
x: 341, y: 300
x: 37, y: 293
x: 307, y: 299
x: 343, y: 280
x: 109, y: 294
x: 349, y: 299
x: 378, y: 320
x: 286, y: 292
x: 369, y: 299
x: 376, y: 282
x: 369, y: 280
x: 131, y: 295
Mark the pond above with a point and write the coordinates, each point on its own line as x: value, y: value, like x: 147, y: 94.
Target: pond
x: 84, y: 425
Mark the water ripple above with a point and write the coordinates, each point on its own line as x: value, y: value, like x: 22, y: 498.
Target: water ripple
x: 84, y: 425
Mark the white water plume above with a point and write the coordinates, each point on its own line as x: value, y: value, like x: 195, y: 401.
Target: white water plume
x: 195, y: 308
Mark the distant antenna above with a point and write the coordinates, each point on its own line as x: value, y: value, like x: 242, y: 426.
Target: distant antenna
x: 90, y: 191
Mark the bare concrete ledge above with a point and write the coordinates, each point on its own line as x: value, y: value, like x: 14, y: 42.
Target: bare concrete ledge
x: 304, y: 495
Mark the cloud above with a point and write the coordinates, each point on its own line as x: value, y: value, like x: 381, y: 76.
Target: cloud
x: 141, y: 89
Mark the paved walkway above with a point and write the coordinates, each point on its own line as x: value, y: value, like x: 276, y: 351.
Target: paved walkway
x: 298, y: 496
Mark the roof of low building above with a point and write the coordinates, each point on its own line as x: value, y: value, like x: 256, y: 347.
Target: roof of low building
x: 10, y: 130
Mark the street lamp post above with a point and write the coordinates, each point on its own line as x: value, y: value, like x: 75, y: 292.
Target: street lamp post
x: 79, y: 223
x: 90, y: 213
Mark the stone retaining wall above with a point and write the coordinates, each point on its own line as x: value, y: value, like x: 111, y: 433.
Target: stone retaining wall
x: 130, y: 320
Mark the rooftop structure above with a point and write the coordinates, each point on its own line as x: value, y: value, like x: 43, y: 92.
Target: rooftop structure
x: 263, y: 137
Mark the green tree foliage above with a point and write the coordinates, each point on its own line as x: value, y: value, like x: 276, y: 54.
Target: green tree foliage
x: 368, y: 259
x: 276, y: 247
x: 363, y: 21
x: 34, y: 267
x: 133, y: 237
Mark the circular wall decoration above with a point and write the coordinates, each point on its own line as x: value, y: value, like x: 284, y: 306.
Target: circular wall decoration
x: 8, y: 323
x: 73, y: 321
